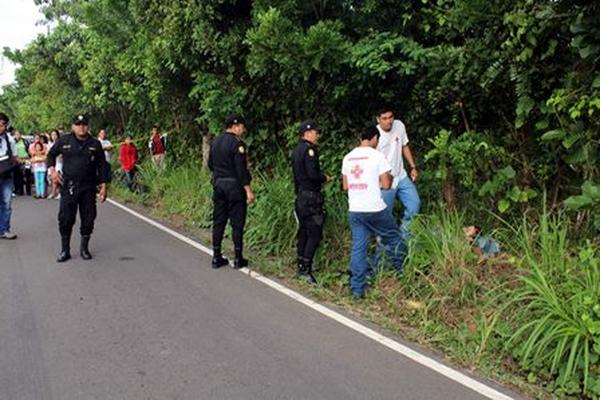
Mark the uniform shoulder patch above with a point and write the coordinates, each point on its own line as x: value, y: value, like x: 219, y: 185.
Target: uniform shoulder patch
x: 311, y: 152
x: 241, y: 149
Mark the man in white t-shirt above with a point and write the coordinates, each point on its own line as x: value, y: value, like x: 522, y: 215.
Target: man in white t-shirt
x: 393, y: 143
x: 365, y: 171
x: 106, y: 144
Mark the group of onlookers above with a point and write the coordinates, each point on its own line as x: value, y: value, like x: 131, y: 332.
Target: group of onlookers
x: 32, y: 168
x: 32, y: 171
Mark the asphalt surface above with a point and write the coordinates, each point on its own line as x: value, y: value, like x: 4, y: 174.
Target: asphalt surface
x: 148, y: 318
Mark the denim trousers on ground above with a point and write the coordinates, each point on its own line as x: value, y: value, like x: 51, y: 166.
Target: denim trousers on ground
x: 6, y: 189
x: 364, y: 226
x: 406, y: 193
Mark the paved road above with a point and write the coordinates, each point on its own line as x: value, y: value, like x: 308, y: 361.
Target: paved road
x: 149, y: 319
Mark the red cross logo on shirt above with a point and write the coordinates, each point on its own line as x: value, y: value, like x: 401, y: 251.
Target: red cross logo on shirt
x: 356, y: 171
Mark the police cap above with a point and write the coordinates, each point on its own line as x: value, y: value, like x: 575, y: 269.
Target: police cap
x: 309, y: 125
x: 234, y: 119
x: 80, y: 119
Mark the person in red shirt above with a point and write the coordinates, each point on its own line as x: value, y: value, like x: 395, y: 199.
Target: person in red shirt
x: 128, y: 158
x: 157, y: 147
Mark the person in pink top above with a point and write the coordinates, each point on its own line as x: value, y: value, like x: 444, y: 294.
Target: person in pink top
x: 37, y: 138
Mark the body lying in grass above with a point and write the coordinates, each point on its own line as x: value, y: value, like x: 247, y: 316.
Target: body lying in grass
x: 483, y: 246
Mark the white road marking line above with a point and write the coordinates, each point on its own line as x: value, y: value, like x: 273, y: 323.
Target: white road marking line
x: 414, y: 355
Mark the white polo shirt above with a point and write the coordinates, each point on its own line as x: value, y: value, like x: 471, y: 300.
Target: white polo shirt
x: 390, y: 144
x: 362, y: 168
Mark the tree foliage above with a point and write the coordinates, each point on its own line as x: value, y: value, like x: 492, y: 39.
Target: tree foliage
x: 519, y: 77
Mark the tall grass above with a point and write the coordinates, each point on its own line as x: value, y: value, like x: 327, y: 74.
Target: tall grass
x: 557, y: 306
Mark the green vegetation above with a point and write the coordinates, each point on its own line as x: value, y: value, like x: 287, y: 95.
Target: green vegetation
x: 502, y: 104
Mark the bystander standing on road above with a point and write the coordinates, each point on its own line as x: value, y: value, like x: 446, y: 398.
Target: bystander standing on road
x: 23, y: 177
x: 107, y: 146
x: 393, y: 143
x: 39, y: 167
x: 84, y: 169
x: 54, y: 191
x: 310, y: 202
x: 365, y: 172
x: 231, y: 189
x: 128, y: 157
x: 158, y: 147
x: 8, y: 162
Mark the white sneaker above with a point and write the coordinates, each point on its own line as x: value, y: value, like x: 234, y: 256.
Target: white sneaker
x: 50, y: 197
x: 57, y: 197
x: 8, y: 236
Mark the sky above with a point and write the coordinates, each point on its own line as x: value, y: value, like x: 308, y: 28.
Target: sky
x: 17, y: 29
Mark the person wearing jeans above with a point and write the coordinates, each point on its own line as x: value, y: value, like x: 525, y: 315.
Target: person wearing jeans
x: 38, y: 164
x: 406, y: 192
x: 7, y: 149
x: 365, y: 172
x: 393, y: 143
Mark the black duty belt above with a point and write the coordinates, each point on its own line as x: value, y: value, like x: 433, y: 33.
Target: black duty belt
x: 310, y: 193
x: 225, y: 179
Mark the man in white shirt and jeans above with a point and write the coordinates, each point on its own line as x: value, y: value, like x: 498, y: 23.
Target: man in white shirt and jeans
x: 8, y: 149
x: 393, y: 143
x: 365, y: 171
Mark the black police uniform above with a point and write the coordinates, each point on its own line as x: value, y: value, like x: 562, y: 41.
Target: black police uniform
x: 227, y: 161
x: 84, y: 167
x: 309, y: 207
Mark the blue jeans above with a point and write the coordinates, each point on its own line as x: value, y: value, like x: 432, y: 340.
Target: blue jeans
x: 6, y: 189
x: 365, y: 225
x: 40, y: 183
x: 406, y: 192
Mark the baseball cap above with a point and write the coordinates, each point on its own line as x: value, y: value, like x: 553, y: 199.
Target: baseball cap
x: 80, y: 119
x: 233, y: 119
x: 309, y: 125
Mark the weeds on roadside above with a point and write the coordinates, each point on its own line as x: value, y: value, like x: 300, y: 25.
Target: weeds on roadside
x: 557, y: 307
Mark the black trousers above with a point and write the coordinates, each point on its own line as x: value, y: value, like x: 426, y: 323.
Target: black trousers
x: 23, y: 177
x: 229, y: 203
x: 311, y: 218
x: 73, y: 198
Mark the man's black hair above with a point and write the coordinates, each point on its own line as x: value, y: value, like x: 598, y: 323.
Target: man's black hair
x: 4, y: 117
x: 384, y: 108
x: 369, y: 133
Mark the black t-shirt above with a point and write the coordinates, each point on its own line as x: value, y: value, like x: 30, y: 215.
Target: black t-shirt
x: 228, y: 158
x: 84, y: 161
x: 306, y: 167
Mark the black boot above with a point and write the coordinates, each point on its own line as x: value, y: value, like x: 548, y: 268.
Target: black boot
x: 305, y: 271
x: 65, y: 249
x: 240, y: 261
x: 219, y: 261
x: 84, y: 250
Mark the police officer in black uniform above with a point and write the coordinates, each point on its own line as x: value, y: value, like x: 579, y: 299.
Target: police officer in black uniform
x: 84, y: 169
x: 309, y: 207
x: 231, y: 189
